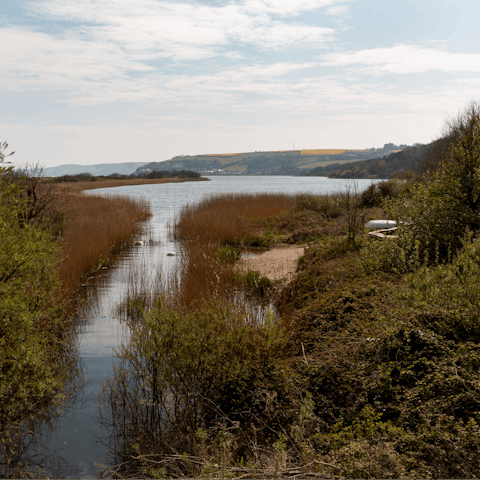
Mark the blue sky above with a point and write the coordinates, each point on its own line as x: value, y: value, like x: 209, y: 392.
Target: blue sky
x: 99, y: 81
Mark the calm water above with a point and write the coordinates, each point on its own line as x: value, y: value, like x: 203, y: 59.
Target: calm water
x: 101, y: 331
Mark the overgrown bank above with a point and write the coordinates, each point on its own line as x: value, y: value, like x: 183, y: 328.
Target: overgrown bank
x: 49, y: 237
x: 371, y: 369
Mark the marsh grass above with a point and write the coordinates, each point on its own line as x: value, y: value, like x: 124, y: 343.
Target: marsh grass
x: 211, y: 231
x: 94, y: 227
x: 225, y: 218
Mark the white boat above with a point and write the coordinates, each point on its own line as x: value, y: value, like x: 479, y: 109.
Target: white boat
x: 380, y: 224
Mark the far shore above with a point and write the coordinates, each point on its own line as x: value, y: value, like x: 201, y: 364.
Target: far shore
x: 123, y: 183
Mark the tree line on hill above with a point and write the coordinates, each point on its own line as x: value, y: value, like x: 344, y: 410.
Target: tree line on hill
x: 388, y: 166
x: 417, y: 159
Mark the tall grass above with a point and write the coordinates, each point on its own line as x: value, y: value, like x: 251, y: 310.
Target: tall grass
x: 216, y: 221
x: 200, y: 355
x: 224, y: 218
x: 94, y: 226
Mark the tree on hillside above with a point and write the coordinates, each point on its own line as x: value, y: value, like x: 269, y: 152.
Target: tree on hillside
x: 453, y: 129
x: 441, y: 212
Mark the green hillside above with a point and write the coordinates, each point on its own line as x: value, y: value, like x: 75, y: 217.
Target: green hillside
x: 289, y: 162
x: 386, y: 166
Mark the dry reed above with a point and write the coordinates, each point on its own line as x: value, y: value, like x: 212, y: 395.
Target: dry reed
x: 94, y: 226
x: 206, y: 226
x: 223, y: 218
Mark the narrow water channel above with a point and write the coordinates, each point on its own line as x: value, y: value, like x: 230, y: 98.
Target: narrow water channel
x: 100, y: 330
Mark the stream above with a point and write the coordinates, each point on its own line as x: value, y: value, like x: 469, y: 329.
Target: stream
x: 73, y: 441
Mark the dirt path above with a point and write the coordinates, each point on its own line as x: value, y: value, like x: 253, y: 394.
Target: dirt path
x: 279, y: 263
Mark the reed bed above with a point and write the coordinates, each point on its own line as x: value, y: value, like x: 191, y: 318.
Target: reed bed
x: 224, y: 218
x: 195, y: 361
x: 94, y: 226
x: 216, y: 221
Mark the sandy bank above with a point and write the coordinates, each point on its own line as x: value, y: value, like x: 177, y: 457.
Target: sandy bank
x: 279, y: 263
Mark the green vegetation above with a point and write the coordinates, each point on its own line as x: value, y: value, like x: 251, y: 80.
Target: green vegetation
x: 36, y: 359
x: 88, y: 177
x: 439, y: 213
x: 183, y: 372
x: 369, y: 369
x: 255, y: 281
x: 49, y: 237
x: 229, y: 254
x: 388, y: 166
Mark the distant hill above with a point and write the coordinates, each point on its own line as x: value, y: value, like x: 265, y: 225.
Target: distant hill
x: 99, y: 169
x: 287, y: 162
x: 385, y: 167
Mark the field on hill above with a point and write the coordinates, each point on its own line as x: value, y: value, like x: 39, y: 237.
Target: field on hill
x: 280, y: 162
x: 326, y: 163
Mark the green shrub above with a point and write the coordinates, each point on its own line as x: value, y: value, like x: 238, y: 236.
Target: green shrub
x: 229, y: 254
x: 328, y: 205
x: 257, y: 241
x: 255, y: 281
x: 34, y: 361
x: 440, y: 212
x: 376, y: 193
x: 189, y: 379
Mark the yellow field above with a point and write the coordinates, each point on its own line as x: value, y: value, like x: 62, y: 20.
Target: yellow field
x: 314, y: 151
x: 322, y: 151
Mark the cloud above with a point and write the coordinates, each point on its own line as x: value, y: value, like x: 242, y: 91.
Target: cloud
x: 35, y: 60
x: 234, y: 55
x: 185, y: 30
x: 188, y: 56
x: 119, y: 50
x: 93, y: 73
x: 404, y: 59
x: 286, y: 7
x: 340, y: 10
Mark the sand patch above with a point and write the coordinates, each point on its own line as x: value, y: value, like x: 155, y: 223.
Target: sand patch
x: 279, y: 263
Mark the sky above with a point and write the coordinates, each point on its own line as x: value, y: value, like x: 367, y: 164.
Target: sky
x: 108, y: 81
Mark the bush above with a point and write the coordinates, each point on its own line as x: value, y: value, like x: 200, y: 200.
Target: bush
x: 34, y: 364
x: 229, y: 254
x: 376, y: 193
x: 188, y: 379
x: 328, y: 205
x: 254, y: 281
x: 438, y: 214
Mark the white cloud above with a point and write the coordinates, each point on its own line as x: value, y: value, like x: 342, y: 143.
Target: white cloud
x: 234, y: 55
x: 183, y: 30
x: 286, y: 7
x: 404, y: 59
x: 122, y: 50
x: 340, y: 10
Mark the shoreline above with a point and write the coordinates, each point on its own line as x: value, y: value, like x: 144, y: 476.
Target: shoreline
x: 123, y: 183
